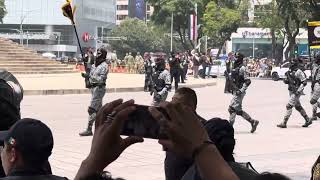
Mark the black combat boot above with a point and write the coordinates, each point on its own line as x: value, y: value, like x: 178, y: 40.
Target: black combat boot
x: 283, y: 124
x: 88, y: 131
x: 254, y: 126
x: 307, y: 123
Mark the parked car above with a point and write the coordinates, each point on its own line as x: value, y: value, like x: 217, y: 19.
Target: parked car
x: 217, y: 69
x: 279, y: 72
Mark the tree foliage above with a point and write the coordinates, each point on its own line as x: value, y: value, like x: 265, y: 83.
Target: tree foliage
x: 181, y: 10
x: 140, y: 38
x: 220, y: 23
x: 3, y: 10
x: 270, y: 18
x: 294, y: 15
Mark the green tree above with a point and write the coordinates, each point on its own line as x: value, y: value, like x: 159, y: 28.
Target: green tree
x: 220, y: 23
x: 140, y: 38
x: 314, y: 6
x: 270, y: 18
x: 181, y: 10
x: 3, y: 10
x: 294, y: 15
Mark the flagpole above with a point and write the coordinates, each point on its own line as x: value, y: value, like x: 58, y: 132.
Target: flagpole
x: 171, y: 42
x: 75, y: 30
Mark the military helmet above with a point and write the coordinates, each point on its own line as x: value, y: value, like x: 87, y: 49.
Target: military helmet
x: 238, y: 59
x: 160, y: 63
x: 294, y: 63
x: 102, y: 53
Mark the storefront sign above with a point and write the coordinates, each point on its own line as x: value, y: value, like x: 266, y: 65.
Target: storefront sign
x: 255, y: 34
x: 314, y: 33
x: 86, y: 37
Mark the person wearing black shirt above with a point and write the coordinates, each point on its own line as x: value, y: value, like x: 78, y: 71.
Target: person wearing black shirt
x: 174, y: 63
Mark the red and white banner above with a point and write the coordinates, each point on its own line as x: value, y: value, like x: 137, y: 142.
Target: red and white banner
x: 193, y: 27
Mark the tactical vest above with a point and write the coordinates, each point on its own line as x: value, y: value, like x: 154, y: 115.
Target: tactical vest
x: 236, y: 78
x: 158, y: 83
x: 293, y: 81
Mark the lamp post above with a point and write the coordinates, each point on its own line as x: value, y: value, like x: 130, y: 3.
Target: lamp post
x: 22, y: 18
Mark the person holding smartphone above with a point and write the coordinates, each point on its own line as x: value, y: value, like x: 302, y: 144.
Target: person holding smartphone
x: 188, y: 139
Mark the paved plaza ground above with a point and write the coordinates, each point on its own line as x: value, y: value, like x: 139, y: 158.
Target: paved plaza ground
x: 290, y: 151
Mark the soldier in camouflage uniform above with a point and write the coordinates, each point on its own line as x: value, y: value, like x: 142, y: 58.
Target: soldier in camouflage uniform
x: 296, y: 80
x: 315, y: 87
x: 97, y: 78
x: 130, y: 63
x: 161, y: 82
x: 239, y: 83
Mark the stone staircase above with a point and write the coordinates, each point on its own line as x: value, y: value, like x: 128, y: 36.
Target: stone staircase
x: 20, y: 60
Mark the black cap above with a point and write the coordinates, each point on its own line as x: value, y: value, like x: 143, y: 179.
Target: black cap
x: 32, y: 138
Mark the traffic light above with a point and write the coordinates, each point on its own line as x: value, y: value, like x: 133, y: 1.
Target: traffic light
x: 68, y: 11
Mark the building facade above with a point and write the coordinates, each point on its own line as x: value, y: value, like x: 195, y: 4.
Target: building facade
x: 256, y: 42
x: 40, y: 24
x: 133, y: 9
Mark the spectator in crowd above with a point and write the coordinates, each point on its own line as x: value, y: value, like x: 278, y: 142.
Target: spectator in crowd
x: 174, y: 63
x: 181, y: 68
x: 11, y: 95
x: 27, y: 147
x: 204, y: 64
x: 196, y: 64
x: 175, y: 166
x: 271, y: 176
x: 188, y: 139
x: 222, y: 133
x: 210, y: 63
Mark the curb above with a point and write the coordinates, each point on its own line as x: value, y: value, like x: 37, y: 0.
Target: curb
x: 109, y: 90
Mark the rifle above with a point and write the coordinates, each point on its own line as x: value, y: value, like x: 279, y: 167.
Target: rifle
x: 231, y: 86
x: 291, y: 81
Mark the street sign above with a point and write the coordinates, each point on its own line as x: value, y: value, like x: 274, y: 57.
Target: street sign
x: 314, y: 33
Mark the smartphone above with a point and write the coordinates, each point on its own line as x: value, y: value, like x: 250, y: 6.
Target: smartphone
x: 142, y: 124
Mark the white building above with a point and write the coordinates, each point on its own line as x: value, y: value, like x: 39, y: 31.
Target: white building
x: 45, y: 29
x: 256, y: 42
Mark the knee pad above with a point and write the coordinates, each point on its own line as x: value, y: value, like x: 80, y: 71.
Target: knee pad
x: 91, y: 110
x: 299, y: 108
x: 239, y: 113
x: 313, y: 101
x: 231, y: 110
x: 289, y: 106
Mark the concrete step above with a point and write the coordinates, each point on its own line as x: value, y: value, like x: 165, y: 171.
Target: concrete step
x: 26, y: 59
x: 19, y: 55
x: 33, y: 65
x: 28, y: 62
x: 38, y: 69
x: 42, y: 72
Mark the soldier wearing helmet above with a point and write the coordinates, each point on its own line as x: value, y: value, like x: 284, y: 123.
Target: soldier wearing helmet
x: 161, y: 82
x: 239, y: 82
x: 97, y: 78
x: 296, y: 80
x: 315, y: 87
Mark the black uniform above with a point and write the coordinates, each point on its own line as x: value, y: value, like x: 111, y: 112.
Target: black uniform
x: 174, y: 70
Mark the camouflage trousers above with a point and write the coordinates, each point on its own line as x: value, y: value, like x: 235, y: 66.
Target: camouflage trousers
x: 97, y: 94
x: 294, y: 101
x: 315, y: 99
x: 235, y: 109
